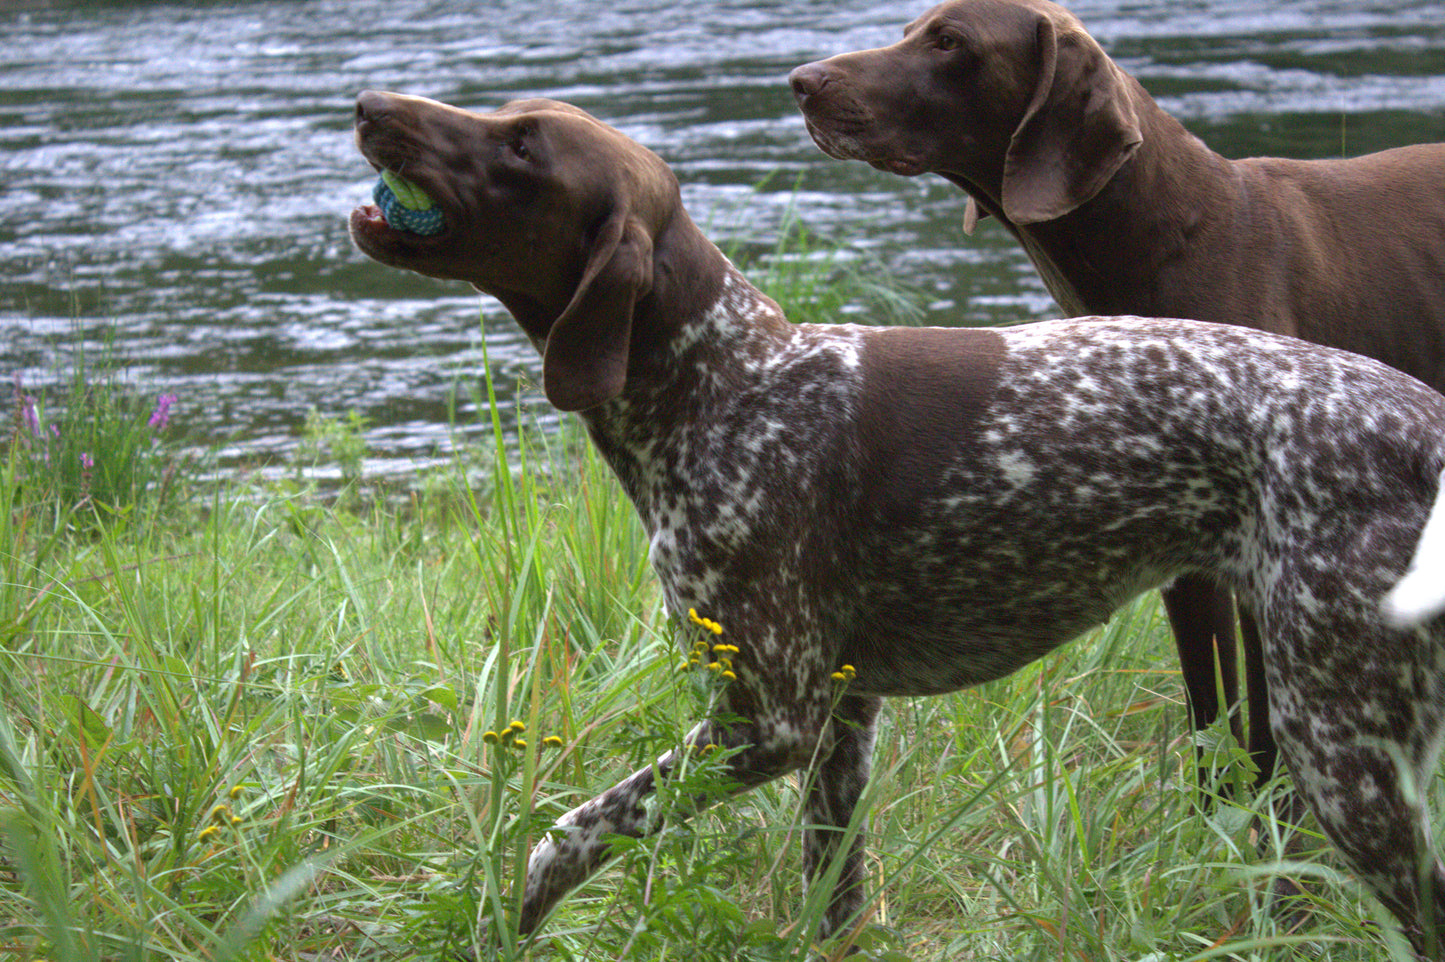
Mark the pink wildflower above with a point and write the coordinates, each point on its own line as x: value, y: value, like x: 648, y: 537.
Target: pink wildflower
x: 161, y: 416
x: 26, y: 403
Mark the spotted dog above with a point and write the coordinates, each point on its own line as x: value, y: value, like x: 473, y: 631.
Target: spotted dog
x: 939, y: 507
x: 1123, y: 211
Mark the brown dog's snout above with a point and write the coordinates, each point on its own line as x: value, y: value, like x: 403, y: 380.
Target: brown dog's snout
x: 370, y: 105
x: 809, y: 79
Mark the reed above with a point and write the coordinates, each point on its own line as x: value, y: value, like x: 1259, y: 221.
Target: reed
x: 92, y: 450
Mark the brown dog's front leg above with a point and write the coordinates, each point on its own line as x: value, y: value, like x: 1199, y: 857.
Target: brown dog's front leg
x: 1262, y: 747
x: 1201, y: 615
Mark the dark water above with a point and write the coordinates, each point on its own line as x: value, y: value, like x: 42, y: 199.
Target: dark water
x: 180, y: 174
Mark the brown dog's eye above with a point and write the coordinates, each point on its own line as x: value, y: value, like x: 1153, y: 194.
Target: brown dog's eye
x: 946, y: 42
x: 517, y: 143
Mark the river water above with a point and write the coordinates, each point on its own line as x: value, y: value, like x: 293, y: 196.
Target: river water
x: 176, y: 177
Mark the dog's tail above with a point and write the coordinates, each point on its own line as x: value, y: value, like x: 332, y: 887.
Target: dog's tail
x: 1420, y: 595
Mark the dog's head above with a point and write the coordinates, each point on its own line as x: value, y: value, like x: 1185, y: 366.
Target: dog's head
x: 544, y: 207
x: 1010, y: 98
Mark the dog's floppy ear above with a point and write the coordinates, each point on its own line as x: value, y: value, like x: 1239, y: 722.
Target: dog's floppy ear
x: 585, y: 360
x: 1079, y: 128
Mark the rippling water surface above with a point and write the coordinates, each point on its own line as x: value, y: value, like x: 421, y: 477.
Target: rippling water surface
x: 178, y: 176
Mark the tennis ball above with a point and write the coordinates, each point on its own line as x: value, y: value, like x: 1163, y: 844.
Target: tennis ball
x: 406, y: 206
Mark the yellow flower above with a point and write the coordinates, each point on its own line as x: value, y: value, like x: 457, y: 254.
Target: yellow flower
x: 236, y: 820
x: 208, y: 831
x: 219, y: 812
x: 727, y: 675
x: 236, y: 791
x: 552, y: 741
x: 518, y: 726
x: 706, y: 623
x: 519, y: 743
x: 491, y: 737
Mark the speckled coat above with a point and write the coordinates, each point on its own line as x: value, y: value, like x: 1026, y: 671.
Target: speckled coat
x: 938, y: 508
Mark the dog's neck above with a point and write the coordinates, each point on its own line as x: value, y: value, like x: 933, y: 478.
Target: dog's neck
x: 1105, y: 256
x: 693, y: 337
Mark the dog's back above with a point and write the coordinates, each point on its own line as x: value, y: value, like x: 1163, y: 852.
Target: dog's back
x: 1081, y: 462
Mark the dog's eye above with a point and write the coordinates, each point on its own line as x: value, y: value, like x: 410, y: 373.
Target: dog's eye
x: 946, y: 42
x: 517, y: 143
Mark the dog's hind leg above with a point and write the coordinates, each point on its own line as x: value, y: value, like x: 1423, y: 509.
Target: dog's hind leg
x: 1371, y: 816
x: 1360, y: 738
x: 831, y: 792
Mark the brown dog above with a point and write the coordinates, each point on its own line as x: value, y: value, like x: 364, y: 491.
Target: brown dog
x: 1123, y: 211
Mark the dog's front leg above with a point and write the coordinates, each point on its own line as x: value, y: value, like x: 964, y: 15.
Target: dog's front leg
x: 831, y: 793
x: 577, y: 846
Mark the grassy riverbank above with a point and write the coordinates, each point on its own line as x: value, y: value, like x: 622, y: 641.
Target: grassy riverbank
x: 260, y: 724
x: 259, y: 727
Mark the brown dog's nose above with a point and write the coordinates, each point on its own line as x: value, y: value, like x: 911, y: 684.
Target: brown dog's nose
x: 371, y: 105
x: 367, y: 101
x: 808, y: 79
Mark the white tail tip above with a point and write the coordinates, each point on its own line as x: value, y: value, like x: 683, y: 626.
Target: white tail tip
x: 1415, y: 600
x: 1420, y: 594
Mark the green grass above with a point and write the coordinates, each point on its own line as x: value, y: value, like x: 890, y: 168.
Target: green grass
x: 261, y: 733
x: 820, y: 280
x: 272, y: 726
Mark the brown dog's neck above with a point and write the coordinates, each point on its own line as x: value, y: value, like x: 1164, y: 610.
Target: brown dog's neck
x: 691, y: 279
x: 1107, y: 255
x: 687, y: 276
x: 1104, y: 257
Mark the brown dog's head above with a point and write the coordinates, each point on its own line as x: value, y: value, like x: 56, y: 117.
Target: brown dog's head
x: 545, y: 208
x: 1010, y: 98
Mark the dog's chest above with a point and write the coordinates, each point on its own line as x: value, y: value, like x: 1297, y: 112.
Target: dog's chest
x: 726, y: 486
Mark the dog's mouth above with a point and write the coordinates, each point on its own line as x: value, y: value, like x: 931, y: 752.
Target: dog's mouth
x: 406, y: 217
x: 902, y: 166
x: 849, y: 138
x: 406, y: 207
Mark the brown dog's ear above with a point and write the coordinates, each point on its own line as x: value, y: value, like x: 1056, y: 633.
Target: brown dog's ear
x: 1079, y: 128
x: 585, y: 359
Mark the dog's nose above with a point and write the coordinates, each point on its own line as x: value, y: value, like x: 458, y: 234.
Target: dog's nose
x: 371, y: 105
x: 808, y: 79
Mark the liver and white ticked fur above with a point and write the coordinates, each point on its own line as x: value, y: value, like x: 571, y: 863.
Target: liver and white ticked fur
x: 939, y: 507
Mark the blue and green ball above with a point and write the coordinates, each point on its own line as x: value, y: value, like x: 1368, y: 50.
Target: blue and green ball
x: 406, y: 206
